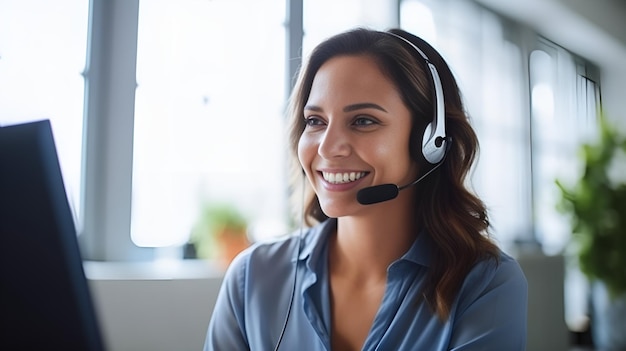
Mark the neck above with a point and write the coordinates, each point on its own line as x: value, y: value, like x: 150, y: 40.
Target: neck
x: 364, y: 246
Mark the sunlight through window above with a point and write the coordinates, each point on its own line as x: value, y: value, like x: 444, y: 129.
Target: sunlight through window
x: 208, y: 116
x: 42, y: 55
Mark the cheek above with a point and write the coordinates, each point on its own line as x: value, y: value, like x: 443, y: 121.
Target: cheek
x: 393, y: 155
x: 384, y: 149
x: 305, y: 152
x: 387, y: 150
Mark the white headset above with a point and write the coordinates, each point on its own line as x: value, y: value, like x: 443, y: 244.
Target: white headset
x: 434, y: 139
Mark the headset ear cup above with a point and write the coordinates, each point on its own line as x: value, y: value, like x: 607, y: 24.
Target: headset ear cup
x: 432, y: 150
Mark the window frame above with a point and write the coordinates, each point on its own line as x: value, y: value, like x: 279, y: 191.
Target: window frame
x: 110, y: 82
x: 109, y: 107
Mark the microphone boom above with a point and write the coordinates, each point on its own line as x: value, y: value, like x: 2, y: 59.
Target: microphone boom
x: 385, y: 192
x: 376, y: 194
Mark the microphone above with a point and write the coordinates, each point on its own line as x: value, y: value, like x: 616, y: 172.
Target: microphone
x: 385, y: 192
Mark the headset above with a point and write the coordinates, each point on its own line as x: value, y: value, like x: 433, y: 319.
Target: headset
x: 435, y: 144
x: 434, y: 140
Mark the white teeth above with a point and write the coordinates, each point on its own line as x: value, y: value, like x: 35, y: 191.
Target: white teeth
x: 341, y: 178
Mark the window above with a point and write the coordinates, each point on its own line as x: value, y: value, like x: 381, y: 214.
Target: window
x: 564, y: 106
x: 564, y: 115
x: 42, y: 56
x: 344, y: 15
x: 208, y: 121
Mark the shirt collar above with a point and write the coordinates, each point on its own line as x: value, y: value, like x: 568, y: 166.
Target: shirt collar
x: 315, y: 240
x: 420, y: 251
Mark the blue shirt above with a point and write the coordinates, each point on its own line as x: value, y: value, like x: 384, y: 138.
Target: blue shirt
x: 489, y: 312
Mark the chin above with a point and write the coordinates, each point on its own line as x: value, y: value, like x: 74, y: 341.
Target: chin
x: 336, y: 210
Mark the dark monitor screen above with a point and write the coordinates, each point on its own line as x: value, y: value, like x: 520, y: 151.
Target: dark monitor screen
x: 45, y: 302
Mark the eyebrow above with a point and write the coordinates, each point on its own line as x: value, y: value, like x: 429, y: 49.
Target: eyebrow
x: 350, y: 108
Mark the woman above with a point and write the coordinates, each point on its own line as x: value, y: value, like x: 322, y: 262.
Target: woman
x: 391, y: 268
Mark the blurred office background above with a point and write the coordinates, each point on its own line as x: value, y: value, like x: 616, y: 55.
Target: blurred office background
x: 160, y: 106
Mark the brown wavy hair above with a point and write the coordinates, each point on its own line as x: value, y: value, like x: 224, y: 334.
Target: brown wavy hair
x: 454, y: 217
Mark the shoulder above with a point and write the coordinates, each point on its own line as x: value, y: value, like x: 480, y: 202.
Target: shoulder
x: 258, y: 277
x: 285, y: 250
x: 502, y: 276
x: 266, y: 266
x: 266, y: 254
x: 275, y: 256
x: 507, y: 269
x: 491, y: 310
x: 504, y: 269
x: 252, y: 291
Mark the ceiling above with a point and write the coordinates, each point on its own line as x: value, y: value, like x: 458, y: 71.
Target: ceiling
x: 595, y: 30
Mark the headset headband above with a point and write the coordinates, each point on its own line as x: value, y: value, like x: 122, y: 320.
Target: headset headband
x: 434, y: 139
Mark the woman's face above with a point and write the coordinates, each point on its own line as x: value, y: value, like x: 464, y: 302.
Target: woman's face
x: 356, y: 135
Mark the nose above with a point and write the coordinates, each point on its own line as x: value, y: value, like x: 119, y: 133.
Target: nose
x: 335, y: 142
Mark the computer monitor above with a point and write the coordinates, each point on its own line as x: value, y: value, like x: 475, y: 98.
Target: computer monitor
x: 45, y: 301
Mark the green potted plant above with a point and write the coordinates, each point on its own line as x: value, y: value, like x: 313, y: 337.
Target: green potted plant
x: 596, y: 205
x: 220, y: 232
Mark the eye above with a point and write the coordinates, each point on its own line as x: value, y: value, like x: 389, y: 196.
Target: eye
x: 313, y: 121
x: 364, y: 121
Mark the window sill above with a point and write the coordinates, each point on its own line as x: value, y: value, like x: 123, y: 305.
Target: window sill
x: 170, y: 269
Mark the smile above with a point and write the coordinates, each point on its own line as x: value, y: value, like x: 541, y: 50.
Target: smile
x: 342, y: 178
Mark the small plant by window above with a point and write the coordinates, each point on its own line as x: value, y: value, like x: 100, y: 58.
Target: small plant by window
x: 220, y: 233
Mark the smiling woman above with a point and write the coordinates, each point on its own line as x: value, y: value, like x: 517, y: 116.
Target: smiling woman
x: 416, y: 271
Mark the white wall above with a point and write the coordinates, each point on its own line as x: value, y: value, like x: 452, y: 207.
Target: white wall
x: 143, y: 306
